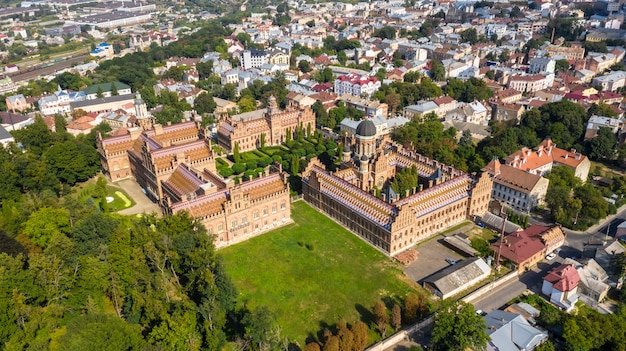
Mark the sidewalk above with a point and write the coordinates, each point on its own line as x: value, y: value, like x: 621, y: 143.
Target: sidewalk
x: 142, y: 203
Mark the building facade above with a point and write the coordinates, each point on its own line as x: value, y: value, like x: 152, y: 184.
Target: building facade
x: 175, y: 166
x: 269, y: 126
x: 354, y: 195
x: 354, y: 84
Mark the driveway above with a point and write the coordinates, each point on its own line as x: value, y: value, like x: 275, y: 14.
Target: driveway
x: 431, y: 257
x: 142, y: 203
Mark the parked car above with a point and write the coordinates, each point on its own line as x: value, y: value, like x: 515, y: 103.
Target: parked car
x: 551, y: 256
x: 450, y: 261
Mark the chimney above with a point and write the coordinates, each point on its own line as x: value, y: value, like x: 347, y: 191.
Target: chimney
x: 572, y: 150
x: 566, y: 155
x: 577, y: 156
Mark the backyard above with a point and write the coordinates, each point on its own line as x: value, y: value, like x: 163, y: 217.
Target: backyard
x: 312, y: 273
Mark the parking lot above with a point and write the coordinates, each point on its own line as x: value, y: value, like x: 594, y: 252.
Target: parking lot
x: 431, y: 258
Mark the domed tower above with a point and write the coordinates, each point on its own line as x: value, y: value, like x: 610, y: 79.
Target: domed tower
x: 347, y: 153
x: 366, y: 138
x: 144, y: 120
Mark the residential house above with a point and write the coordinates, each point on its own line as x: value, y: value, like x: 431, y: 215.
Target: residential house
x: 594, y: 281
x: 14, y: 121
x: 561, y: 286
x: 531, y: 83
x: 5, y: 137
x: 573, y: 52
x: 546, y: 156
x: 611, y: 81
x: 596, y: 122
x: 506, y: 112
x: 445, y: 104
x: 541, y: 65
x: 16, y: 103
x: 475, y: 113
x: 356, y: 85
x: 224, y: 106
x: 370, y: 107
x: 516, y: 188
x: 526, y: 247
x: 458, y: 277
x: 509, y: 96
x: 511, y: 332
x: 419, y: 110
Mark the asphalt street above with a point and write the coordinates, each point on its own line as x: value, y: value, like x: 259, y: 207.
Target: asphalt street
x: 574, y: 243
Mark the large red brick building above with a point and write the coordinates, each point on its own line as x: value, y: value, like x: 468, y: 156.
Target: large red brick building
x: 444, y: 197
x: 175, y: 166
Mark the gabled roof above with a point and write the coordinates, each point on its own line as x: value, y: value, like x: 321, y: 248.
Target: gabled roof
x: 511, y: 332
x: 563, y: 278
x: 458, y: 275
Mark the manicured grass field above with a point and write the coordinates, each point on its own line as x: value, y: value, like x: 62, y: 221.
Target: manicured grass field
x: 337, y: 276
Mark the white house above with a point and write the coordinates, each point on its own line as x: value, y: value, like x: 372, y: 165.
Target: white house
x: 561, y: 286
x: 356, y: 85
x: 542, y: 64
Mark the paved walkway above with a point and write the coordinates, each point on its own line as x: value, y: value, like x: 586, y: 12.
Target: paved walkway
x: 142, y: 203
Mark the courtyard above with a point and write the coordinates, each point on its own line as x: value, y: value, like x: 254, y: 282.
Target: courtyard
x: 312, y: 273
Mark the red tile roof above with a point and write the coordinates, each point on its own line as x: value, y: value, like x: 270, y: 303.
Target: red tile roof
x: 563, y: 278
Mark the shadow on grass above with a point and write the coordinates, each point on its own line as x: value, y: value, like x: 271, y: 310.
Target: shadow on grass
x: 367, y: 316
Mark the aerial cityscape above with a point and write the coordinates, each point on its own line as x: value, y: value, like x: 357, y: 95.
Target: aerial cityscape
x: 254, y: 175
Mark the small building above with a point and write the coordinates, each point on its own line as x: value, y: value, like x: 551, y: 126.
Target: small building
x: 419, y: 110
x: 596, y: 122
x: 525, y: 248
x: 458, y: 277
x: 17, y: 103
x: 594, y: 281
x: 511, y: 332
x: 5, y: 137
x: 561, y: 286
x: 106, y: 89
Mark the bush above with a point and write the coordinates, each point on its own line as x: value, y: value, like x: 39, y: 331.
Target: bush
x: 249, y: 175
x: 264, y: 161
x: 277, y: 158
x: 225, y: 172
x: 238, y: 168
x: 251, y: 165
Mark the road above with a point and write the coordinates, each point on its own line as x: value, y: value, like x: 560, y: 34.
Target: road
x: 532, y: 280
x: 48, y: 70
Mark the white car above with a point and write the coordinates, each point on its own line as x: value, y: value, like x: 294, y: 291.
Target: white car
x: 551, y: 256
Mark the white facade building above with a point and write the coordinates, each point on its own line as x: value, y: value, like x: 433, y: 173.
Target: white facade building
x: 354, y: 84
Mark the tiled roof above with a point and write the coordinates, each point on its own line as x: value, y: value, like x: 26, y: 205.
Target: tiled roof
x: 520, y: 246
x: 563, y: 278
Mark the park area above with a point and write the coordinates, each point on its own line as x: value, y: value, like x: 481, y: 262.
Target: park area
x: 312, y: 273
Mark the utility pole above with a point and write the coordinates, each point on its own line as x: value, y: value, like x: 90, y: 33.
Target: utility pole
x: 501, y: 241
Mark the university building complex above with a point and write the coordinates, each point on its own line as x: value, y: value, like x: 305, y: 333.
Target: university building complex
x: 175, y: 166
x: 444, y: 197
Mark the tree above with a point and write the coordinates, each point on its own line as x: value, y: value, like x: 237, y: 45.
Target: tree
x: 114, y: 91
x: 359, y: 330
x: 601, y: 109
x: 393, y: 101
x: 562, y: 65
x: 312, y: 346
x: 345, y: 335
x: 385, y: 33
x: 412, y: 307
x: 459, y: 327
x: 602, y: 146
x: 469, y: 36
x: 246, y: 104
x: 380, y: 317
x: 46, y: 223
x: 437, y: 71
x: 99, y: 93
x: 204, y: 103
x: 304, y: 66
x: 236, y: 156
x: 262, y: 140
x: 342, y: 57
x: 331, y: 344
x: 396, y: 316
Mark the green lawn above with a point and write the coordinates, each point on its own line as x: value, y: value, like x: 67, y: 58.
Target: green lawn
x: 306, y: 288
